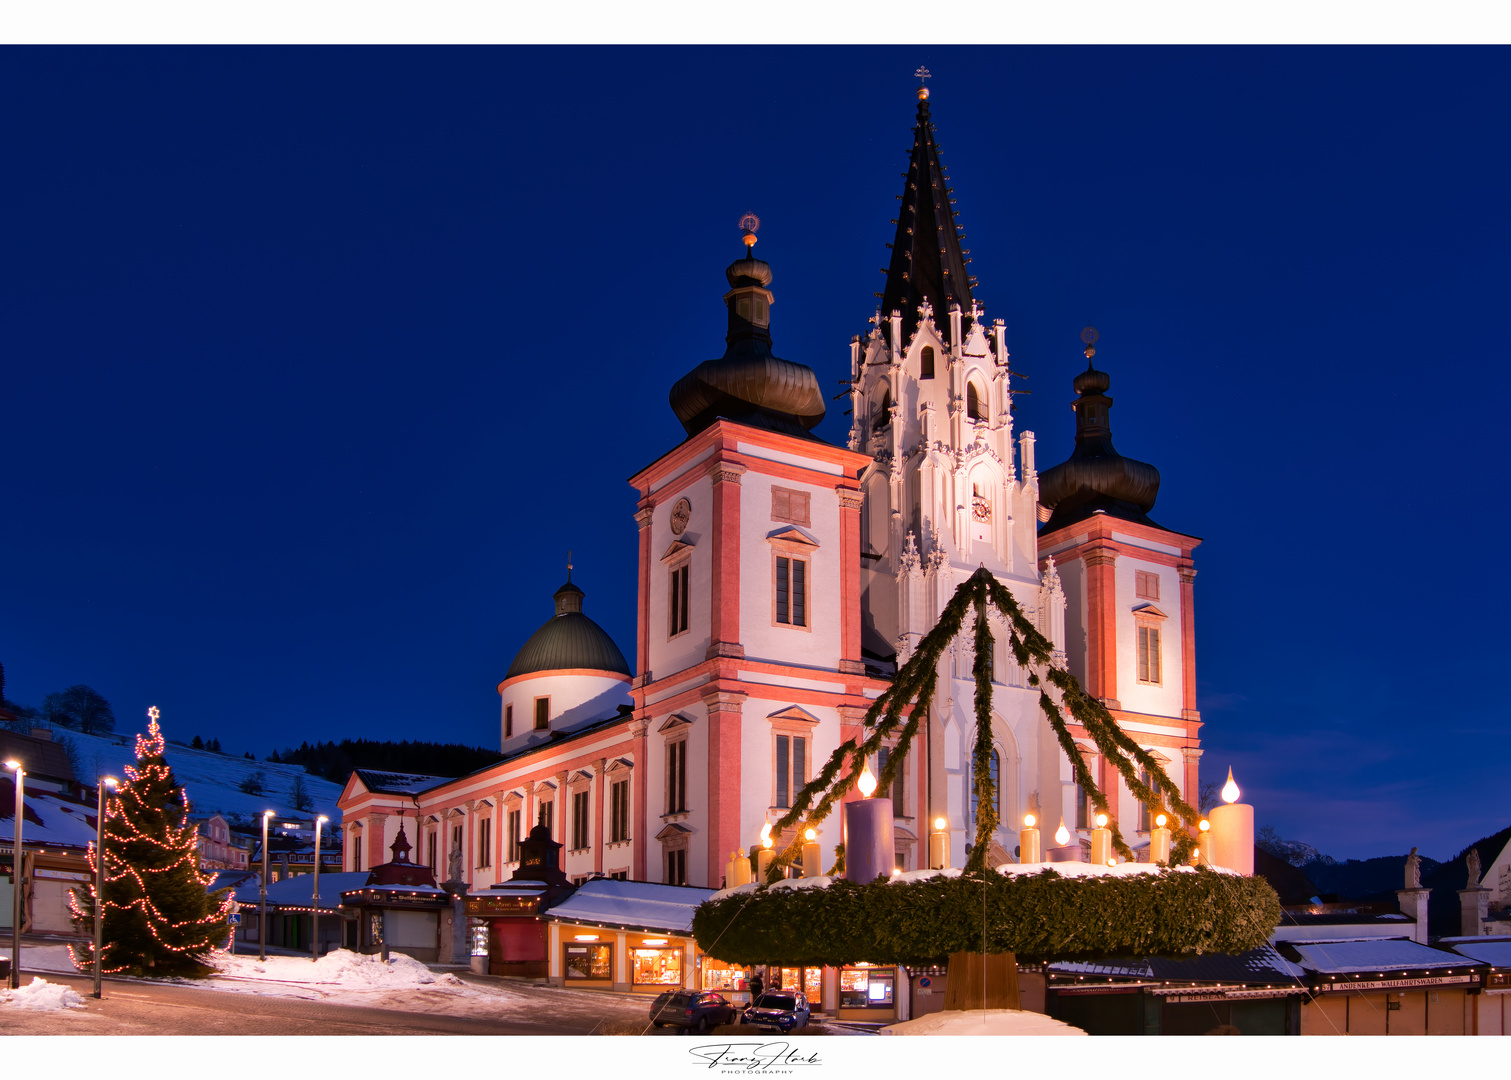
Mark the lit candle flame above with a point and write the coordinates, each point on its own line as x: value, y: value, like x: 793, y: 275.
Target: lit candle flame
x: 939, y: 824
x: 867, y: 782
x: 1101, y: 821
x: 1159, y: 821
x: 1029, y: 821
x: 810, y: 835
x: 1062, y: 834
x: 1230, y: 789
x: 1203, y: 824
x: 766, y: 833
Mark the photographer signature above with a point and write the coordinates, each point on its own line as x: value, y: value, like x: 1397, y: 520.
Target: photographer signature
x: 753, y: 1056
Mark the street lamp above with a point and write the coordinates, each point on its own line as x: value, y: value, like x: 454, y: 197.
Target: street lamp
x: 262, y: 893
x: 315, y: 909
x: 15, y: 910
x: 99, y: 877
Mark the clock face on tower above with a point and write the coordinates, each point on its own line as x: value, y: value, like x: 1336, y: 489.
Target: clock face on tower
x: 682, y: 513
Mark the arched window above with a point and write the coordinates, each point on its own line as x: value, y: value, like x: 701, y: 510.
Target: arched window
x: 994, y: 770
x: 973, y: 407
x: 883, y: 415
x: 1144, y: 816
x: 926, y: 363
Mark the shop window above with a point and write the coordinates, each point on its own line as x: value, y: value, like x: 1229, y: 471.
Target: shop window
x: 579, y: 820
x: 588, y: 960
x: 679, y: 603
x: 791, y: 591
x: 542, y: 713
x: 514, y: 836
x: 866, y: 988
x: 477, y: 937
x: 619, y: 811
x: 656, y: 966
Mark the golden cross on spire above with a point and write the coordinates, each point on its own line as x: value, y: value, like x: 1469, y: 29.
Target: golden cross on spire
x: 923, y: 74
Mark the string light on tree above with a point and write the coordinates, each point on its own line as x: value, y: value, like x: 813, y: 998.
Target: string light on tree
x: 159, y: 918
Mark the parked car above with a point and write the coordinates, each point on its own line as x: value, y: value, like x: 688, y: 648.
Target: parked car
x: 785, y: 1010
x: 697, y: 1011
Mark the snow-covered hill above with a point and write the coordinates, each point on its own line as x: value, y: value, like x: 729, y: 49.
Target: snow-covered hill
x: 212, y: 780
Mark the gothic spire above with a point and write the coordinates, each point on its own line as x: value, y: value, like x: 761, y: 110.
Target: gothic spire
x: 927, y: 260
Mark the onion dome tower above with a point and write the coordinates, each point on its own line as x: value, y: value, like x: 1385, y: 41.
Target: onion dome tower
x: 928, y: 263
x: 1096, y: 479
x: 748, y: 384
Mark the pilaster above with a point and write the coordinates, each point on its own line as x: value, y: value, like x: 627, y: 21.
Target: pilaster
x: 724, y: 709
x: 1101, y: 619
x: 724, y: 595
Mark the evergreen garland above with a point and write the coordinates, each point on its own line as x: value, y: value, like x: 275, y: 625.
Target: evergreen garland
x: 159, y: 918
x: 1041, y: 916
x: 914, y: 685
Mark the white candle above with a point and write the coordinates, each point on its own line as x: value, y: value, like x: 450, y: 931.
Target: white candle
x: 1028, y: 841
x: 1159, y: 841
x: 813, y: 855
x: 1101, y: 842
x: 1232, y: 837
x: 939, y: 845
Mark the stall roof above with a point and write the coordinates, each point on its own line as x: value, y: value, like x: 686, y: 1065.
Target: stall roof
x: 1374, y: 955
x: 1261, y: 965
x: 641, y: 904
x: 298, y: 891
x: 1494, y: 951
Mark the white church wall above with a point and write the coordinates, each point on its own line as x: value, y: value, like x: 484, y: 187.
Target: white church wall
x: 1165, y: 697
x: 667, y: 654
x: 575, y: 700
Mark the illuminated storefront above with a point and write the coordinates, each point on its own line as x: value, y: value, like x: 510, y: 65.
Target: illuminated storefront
x: 867, y: 993
x: 810, y: 981
x: 631, y: 936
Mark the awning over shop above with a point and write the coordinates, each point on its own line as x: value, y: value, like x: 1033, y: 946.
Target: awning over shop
x: 636, y: 905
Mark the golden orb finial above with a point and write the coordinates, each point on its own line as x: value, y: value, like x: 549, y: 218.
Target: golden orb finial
x: 923, y: 91
x: 748, y: 225
x: 1089, y: 336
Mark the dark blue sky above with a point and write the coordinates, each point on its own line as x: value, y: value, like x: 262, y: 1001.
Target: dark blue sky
x: 317, y: 361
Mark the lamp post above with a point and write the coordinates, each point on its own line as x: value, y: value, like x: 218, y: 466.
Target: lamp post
x: 99, y: 877
x: 262, y: 893
x: 15, y: 911
x: 315, y: 908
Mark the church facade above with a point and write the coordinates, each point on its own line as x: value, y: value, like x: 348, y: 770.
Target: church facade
x: 782, y: 580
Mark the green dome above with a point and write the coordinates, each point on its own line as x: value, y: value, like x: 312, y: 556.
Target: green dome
x: 569, y: 639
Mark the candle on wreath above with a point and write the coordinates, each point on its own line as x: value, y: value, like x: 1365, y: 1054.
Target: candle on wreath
x: 1028, y: 841
x: 813, y: 855
x: 1159, y: 840
x: 869, y: 846
x: 1232, y: 839
x: 1101, y: 842
x: 742, y: 868
x: 763, y: 859
x: 939, y: 845
x: 1201, y: 855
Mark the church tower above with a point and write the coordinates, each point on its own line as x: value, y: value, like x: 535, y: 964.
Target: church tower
x: 749, y: 635
x: 947, y: 488
x: 1128, y: 582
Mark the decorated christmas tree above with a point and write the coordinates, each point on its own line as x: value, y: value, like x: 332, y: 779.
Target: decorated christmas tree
x: 159, y: 918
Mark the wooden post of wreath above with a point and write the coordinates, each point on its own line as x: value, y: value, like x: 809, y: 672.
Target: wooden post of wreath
x: 976, y: 919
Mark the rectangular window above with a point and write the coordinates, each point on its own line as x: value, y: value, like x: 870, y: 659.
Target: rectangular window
x: 1145, y: 585
x: 676, y: 777
x: 676, y: 867
x: 548, y: 816
x: 619, y: 812
x: 356, y: 852
x: 485, y: 848
x: 1148, y: 655
x: 791, y: 591
x: 679, y: 601
x: 588, y: 961
x: 791, y: 767
x: 620, y: 875
x: 431, y: 845
x: 883, y: 755
x: 1144, y: 817
x: 508, y: 721
x: 789, y: 506
x: 1082, y: 814
x: 542, y: 713
x: 456, y: 838
x: 514, y: 836
x: 579, y: 820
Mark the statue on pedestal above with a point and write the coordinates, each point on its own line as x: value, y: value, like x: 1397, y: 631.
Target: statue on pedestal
x: 1413, y: 870
x: 454, y: 864
x: 1474, y: 869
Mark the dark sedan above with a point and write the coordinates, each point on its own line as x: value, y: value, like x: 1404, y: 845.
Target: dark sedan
x: 783, y: 1010
x: 692, y: 1010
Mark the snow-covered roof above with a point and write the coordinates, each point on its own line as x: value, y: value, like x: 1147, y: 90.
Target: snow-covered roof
x: 50, y: 819
x: 640, y: 904
x: 396, y: 783
x: 1493, y: 951
x: 298, y: 891
x: 1379, y: 955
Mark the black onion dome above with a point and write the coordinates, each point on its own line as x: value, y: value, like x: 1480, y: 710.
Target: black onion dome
x: 569, y: 639
x: 1096, y: 478
x: 748, y: 384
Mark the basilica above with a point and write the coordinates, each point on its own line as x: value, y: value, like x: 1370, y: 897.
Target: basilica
x: 781, y: 582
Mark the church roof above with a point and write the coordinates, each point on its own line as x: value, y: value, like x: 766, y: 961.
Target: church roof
x: 927, y: 262
x: 1096, y: 479
x: 569, y: 639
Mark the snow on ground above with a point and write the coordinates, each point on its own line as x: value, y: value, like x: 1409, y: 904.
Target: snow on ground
x: 39, y: 995
x: 342, y: 968
x: 983, y: 1022
x: 211, y: 779
x: 53, y: 958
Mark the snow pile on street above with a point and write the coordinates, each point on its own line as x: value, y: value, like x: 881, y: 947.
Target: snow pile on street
x: 983, y: 1022
x: 341, y: 968
x: 39, y: 995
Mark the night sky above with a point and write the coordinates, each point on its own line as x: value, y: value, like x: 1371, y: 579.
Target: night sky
x: 316, y: 363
